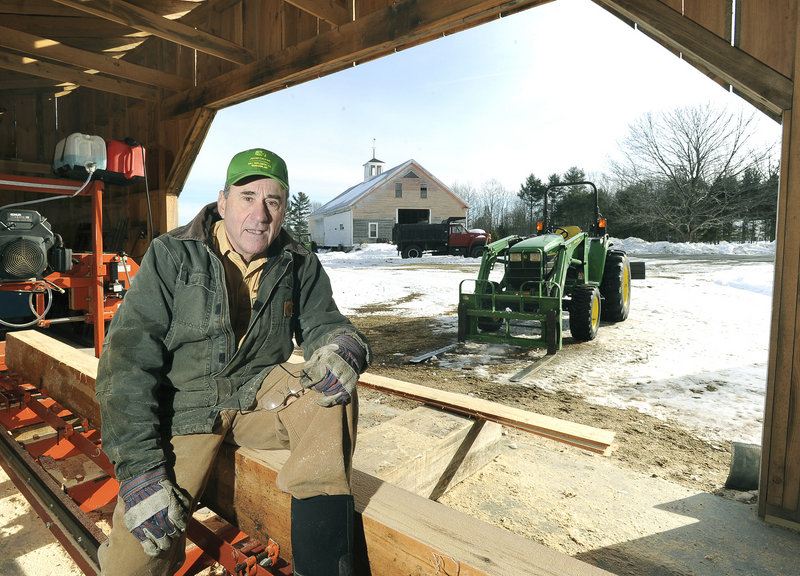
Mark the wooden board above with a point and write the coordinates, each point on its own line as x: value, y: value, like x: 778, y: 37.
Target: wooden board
x: 586, y: 437
x: 426, y: 451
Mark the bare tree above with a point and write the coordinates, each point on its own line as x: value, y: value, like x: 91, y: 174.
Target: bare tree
x: 469, y: 195
x: 496, y: 201
x: 682, y: 162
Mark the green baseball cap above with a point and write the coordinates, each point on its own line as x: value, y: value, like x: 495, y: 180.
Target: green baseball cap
x: 257, y: 162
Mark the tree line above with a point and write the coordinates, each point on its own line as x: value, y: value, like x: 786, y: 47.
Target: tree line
x: 687, y: 175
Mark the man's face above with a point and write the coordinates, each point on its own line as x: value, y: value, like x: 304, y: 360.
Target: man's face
x: 253, y: 214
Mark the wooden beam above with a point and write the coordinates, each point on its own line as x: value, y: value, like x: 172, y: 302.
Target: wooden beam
x: 189, y: 147
x: 60, y: 73
x: 131, y: 15
x: 44, y: 48
x: 779, y: 497
x: 376, y: 34
x: 753, y: 79
x: 332, y: 11
x: 586, y: 437
x: 47, y: 8
x: 397, y: 532
x: 57, y: 369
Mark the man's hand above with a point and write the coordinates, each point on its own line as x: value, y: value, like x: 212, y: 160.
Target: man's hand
x: 156, y: 512
x: 333, y: 370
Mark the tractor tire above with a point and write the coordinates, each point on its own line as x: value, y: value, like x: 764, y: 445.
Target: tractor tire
x: 412, y: 252
x: 553, y: 335
x: 584, y: 312
x: 616, y: 287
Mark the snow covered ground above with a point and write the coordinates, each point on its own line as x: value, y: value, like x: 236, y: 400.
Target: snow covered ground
x: 693, y: 350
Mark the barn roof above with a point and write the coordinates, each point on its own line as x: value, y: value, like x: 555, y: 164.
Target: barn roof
x: 355, y: 193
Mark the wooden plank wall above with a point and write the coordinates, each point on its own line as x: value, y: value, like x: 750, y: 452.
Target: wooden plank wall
x: 759, y: 23
x: 715, y: 16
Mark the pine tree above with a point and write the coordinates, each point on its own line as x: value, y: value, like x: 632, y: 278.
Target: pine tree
x: 297, y: 214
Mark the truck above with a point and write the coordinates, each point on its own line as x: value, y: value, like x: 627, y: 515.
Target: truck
x: 450, y: 237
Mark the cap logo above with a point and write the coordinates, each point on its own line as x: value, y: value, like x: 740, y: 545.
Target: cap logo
x: 259, y: 161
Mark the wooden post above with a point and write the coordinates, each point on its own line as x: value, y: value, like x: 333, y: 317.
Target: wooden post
x: 779, y: 499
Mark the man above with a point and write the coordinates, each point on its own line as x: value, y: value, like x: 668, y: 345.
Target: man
x: 196, y: 356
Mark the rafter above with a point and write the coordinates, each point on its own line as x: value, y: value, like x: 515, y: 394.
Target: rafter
x: 35, y: 67
x: 369, y: 37
x: 44, y: 48
x: 150, y: 22
x: 46, y: 7
x: 754, y: 80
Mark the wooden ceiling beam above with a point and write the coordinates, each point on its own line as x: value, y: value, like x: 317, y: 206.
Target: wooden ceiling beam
x: 329, y: 10
x: 139, y: 19
x: 48, y: 8
x: 374, y: 35
x: 34, y: 67
x: 44, y: 48
x: 752, y: 79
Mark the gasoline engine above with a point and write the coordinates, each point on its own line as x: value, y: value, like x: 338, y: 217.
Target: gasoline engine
x: 25, y: 239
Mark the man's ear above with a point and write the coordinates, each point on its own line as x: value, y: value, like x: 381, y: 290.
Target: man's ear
x: 221, y: 203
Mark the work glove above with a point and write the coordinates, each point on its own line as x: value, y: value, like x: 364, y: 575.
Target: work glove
x: 156, y: 512
x: 333, y: 370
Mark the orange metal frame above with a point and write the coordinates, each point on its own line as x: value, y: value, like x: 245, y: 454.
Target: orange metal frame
x: 93, y: 281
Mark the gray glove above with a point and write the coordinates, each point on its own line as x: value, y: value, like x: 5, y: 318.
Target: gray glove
x: 333, y: 370
x: 156, y: 511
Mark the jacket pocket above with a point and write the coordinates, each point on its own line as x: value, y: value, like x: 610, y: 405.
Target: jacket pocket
x: 196, y: 293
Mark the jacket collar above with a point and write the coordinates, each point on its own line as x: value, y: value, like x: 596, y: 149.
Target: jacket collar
x: 201, y: 227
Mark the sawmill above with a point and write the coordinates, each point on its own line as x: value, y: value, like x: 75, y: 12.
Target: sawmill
x: 105, y: 104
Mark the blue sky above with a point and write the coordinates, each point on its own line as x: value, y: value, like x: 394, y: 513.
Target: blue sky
x: 534, y: 93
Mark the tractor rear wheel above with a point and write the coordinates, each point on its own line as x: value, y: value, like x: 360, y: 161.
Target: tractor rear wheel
x: 584, y: 312
x: 616, y: 287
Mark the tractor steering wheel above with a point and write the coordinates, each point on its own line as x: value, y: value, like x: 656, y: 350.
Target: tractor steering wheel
x: 563, y: 231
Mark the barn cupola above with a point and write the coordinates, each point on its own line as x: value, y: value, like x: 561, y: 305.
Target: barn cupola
x: 374, y: 167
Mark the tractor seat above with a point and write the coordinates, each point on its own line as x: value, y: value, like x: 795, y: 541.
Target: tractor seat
x: 571, y: 231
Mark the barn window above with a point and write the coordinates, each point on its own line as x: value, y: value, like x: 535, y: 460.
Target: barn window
x: 373, y: 229
x: 398, y: 190
x: 423, y: 191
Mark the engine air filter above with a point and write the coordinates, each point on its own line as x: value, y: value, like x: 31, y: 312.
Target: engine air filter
x: 23, y: 258
x: 25, y: 239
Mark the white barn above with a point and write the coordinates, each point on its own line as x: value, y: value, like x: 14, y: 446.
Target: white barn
x: 366, y: 212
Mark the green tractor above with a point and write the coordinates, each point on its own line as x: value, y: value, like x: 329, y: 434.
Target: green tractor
x: 538, y: 277
x: 305, y: 240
